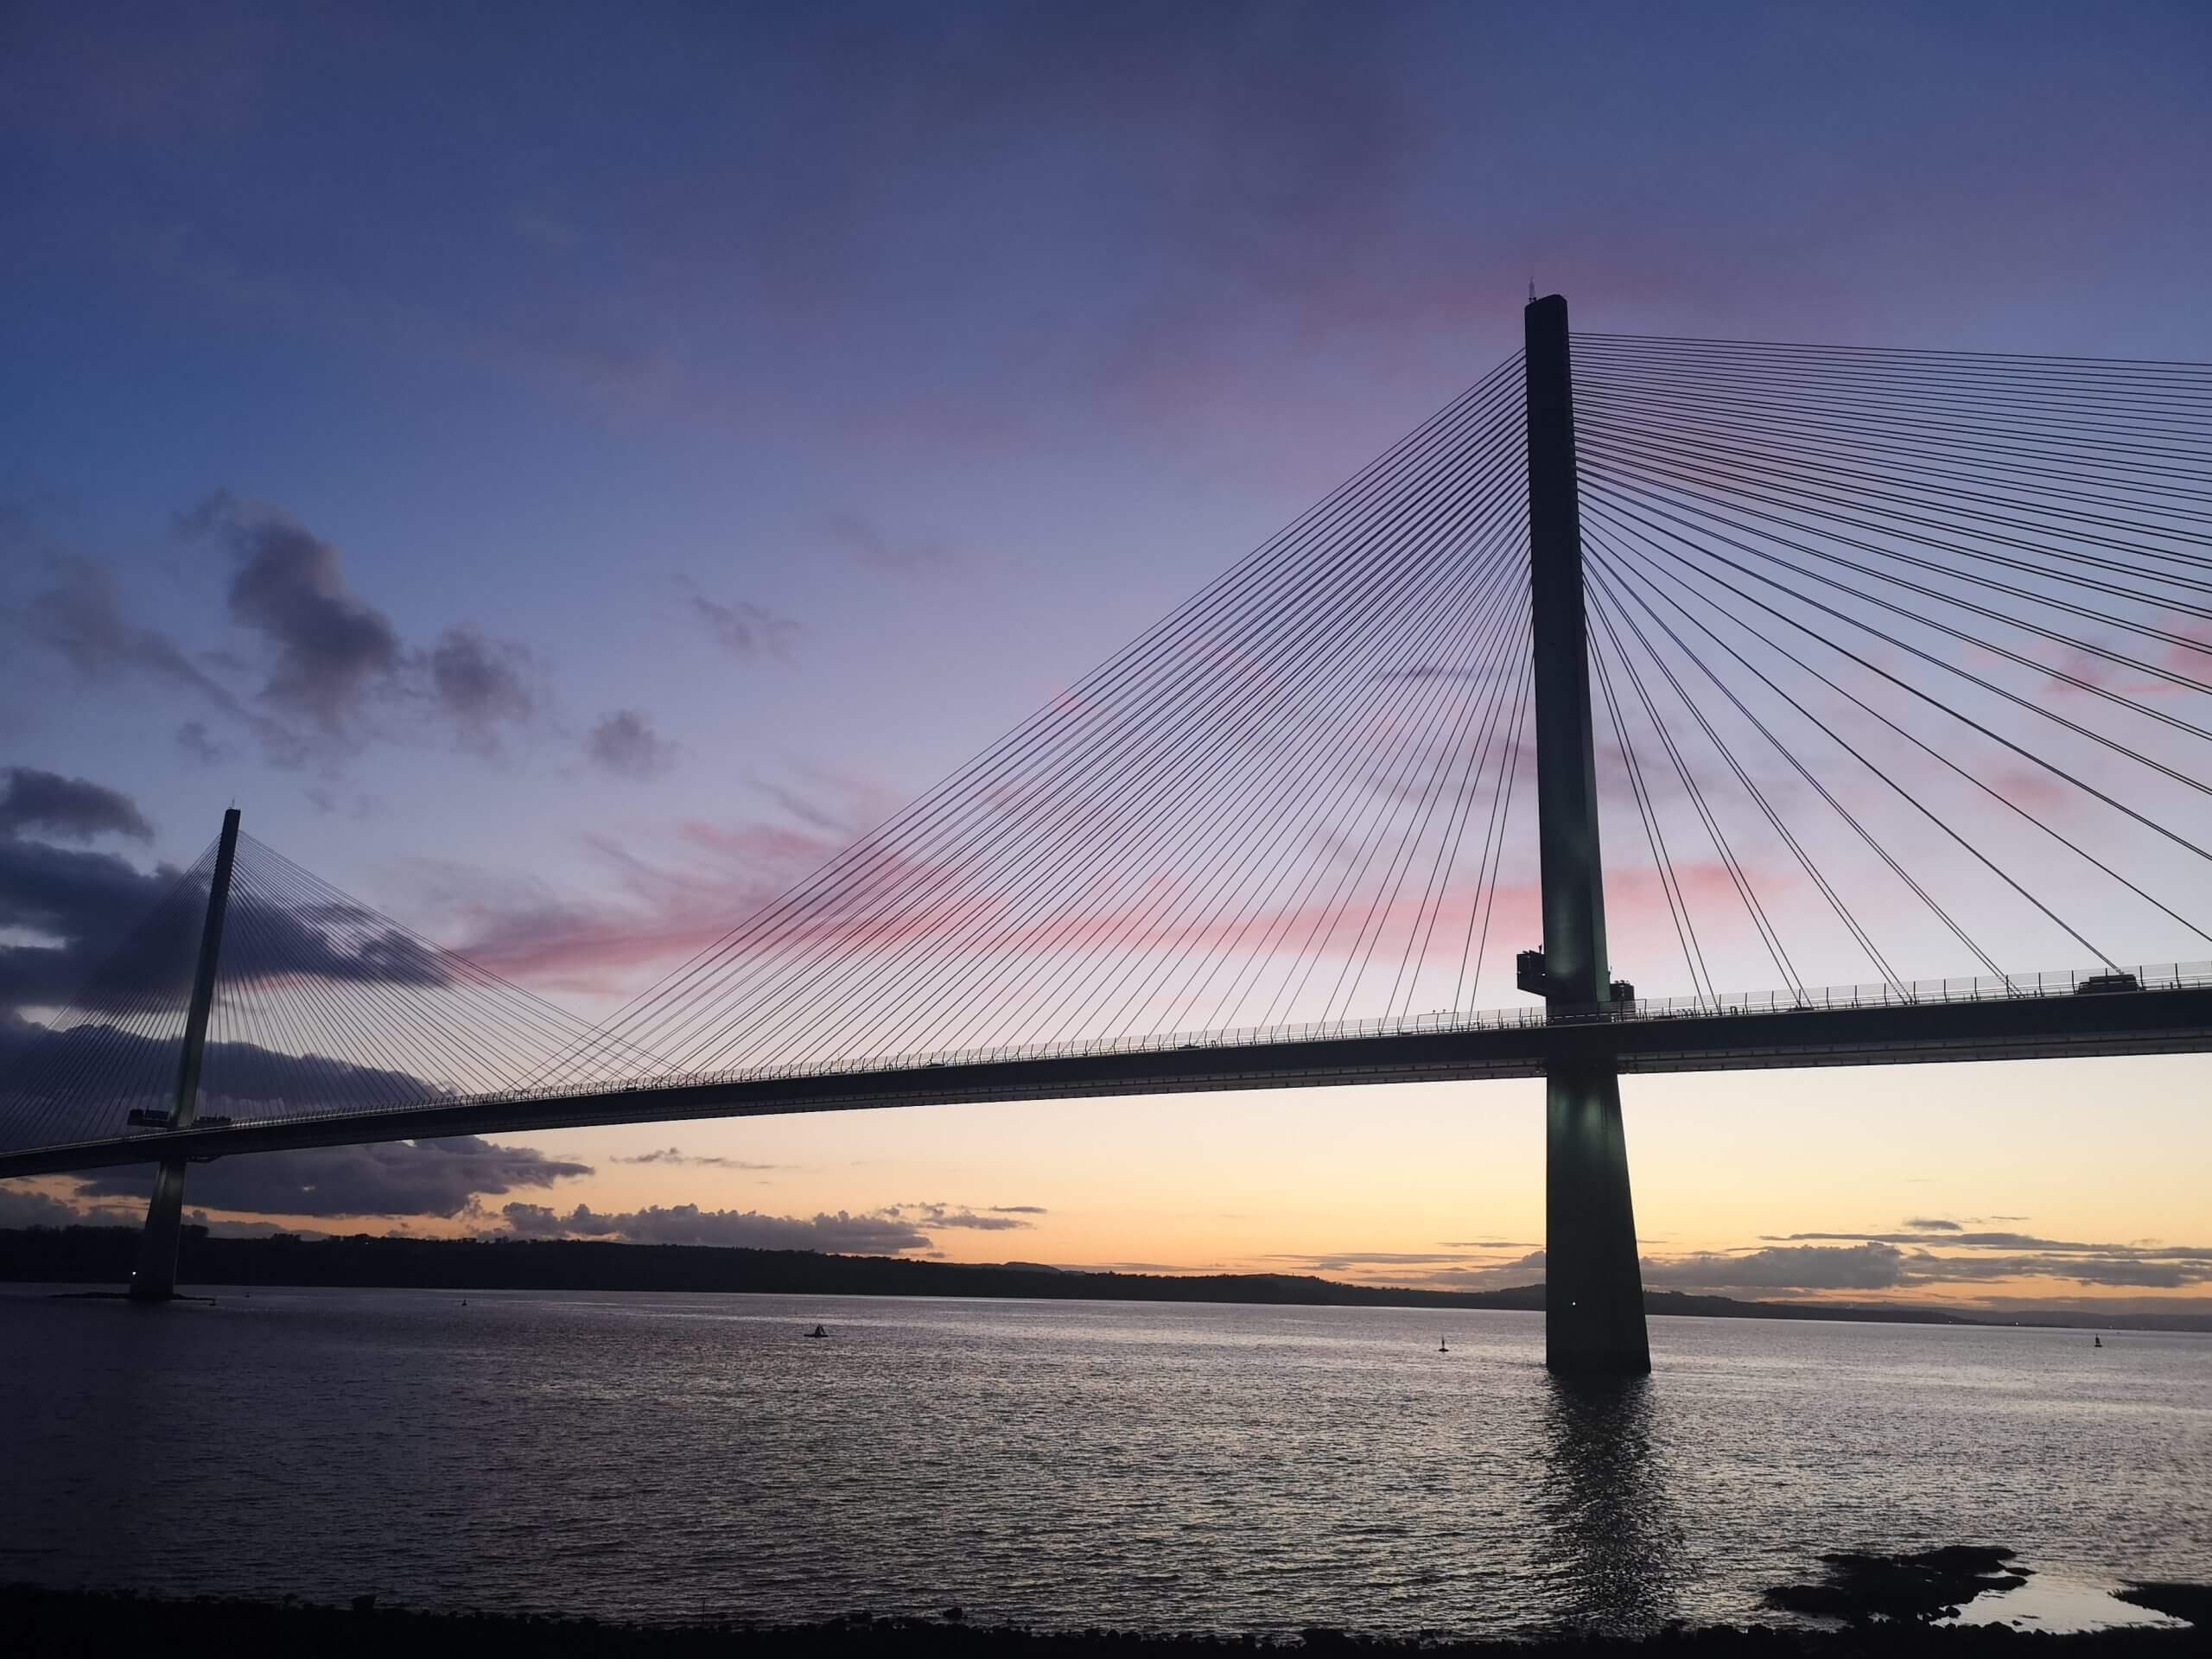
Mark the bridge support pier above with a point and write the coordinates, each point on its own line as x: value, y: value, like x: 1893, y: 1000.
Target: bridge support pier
x: 1594, y: 1297
x: 155, y: 1279
x: 1593, y: 1290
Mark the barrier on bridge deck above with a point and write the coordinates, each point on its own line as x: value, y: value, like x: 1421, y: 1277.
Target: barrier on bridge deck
x: 2158, y: 977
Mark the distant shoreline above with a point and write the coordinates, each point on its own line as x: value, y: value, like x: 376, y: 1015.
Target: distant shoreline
x: 104, y: 1255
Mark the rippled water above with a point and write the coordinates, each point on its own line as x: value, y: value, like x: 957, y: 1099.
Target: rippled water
x: 1057, y: 1464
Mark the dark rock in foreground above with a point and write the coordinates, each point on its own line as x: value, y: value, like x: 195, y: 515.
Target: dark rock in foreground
x: 2190, y: 1601
x: 83, y: 1624
x: 1930, y: 1584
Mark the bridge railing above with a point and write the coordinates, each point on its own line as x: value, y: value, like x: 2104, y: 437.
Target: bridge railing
x: 2151, y: 976
x: 2015, y: 987
x: 1905, y: 994
x: 1911, y: 993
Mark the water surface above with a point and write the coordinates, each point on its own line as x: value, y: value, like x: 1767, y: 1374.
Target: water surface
x: 1057, y: 1464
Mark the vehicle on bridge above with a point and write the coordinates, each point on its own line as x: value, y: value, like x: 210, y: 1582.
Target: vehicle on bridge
x: 2100, y: 984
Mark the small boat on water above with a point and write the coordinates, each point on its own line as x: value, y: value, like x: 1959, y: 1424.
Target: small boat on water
x: 817, y: 1331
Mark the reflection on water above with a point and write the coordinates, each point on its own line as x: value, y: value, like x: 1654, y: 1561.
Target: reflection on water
x: 1610, y: 1528
x: 1177, y: 1467
x: 2061, y: 1606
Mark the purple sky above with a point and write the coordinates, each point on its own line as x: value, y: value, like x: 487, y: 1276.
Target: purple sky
x: 564, y: 470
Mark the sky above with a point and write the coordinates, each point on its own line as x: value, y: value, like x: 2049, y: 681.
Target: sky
x: 564, y: 472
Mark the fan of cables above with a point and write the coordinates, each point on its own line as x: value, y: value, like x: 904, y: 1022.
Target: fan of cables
x: 1935, y: 622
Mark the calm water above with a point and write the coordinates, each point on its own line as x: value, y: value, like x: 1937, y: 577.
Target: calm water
x: 1055, y: 1464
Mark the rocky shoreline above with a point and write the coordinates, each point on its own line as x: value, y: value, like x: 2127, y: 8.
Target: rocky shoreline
x: 80, y: 1624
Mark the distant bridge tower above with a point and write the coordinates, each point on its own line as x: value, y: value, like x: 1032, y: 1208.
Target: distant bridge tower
x: 1593, y: 1320
x: 155, y: 1280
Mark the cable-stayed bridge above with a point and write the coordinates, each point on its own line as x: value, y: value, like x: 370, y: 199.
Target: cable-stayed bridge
x: 1873, y: 660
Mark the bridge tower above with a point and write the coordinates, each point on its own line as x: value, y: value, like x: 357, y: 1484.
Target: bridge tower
x: 1593, y: 1318
x: 155, y: 1279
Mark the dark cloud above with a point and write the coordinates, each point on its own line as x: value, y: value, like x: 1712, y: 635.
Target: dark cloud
x: 325, y: 645
x: 116, y: 946
x: 1859, y: 1266
x: 947, y: 1215
x: 247, y: 1072
x: 625, y: 744
x: 744, y: 630
x: 1457, y: 1269
x: 326, y: 657
x: 1938, y: 1252
x: 687, y: 1223
x: 1980, y: 1257
x: 2002, y: 1242
x: 327, y: 940
x: 46, y: 1097
x: 55, y: 1062
x: 400, y: 1178
x: 1019, y: 1209
x: 690, y: 1160
x: 479, y: 682
x: 25, y: 1206
x: 2148, y: 1269
x: 72, y: 809
x: 85, y: 902
x: 328, y: 647
x: 80, y: 618
x: 89, y: 903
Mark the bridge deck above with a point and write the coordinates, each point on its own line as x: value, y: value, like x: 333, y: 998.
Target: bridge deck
x: 2171, y: 1020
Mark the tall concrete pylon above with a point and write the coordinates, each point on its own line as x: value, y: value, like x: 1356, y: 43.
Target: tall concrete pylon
x: 1593, y: 1302
x: 155, y: 1280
